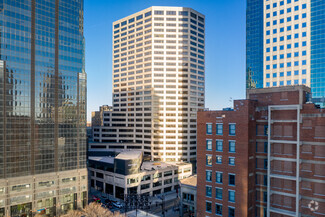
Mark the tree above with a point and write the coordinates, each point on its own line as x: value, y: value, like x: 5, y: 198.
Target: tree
x: 92, y: 210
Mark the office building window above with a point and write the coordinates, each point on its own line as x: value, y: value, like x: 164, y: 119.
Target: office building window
x: 219, y: 145
x: 265, y: 147
x: 265, y: 196
x: 232, y: 179
x: 232, y: 129
x: 208, y: 191
x: 265, y: 180
x: 209, y: 129
x: 232, y: 161
x: 208, y: 160
x: 219, y: 159
x: 218, y: 209
x: 232, y: 146
x: 219, y: 177
x: 219, y: 129
x: 208, y: 206
x: 219, y: 193
x: 231, y: 196
x: 231, y: 212
x: 209, y: 145
x: 208, y: 175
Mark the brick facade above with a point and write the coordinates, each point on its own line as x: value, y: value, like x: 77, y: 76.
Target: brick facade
x: 251, y: 117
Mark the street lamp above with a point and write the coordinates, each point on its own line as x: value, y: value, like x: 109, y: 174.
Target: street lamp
x: 136, y: 201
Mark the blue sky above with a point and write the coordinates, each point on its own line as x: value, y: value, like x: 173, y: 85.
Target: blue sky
x: 225, y: 46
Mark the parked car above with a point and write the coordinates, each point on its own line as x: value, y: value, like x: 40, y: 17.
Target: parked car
x: 96, y: 199
x: 117, y: 204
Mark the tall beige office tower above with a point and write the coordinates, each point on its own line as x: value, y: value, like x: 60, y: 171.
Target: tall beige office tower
x: 158, y: 83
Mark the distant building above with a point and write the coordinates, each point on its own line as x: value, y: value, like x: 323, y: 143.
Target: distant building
x: 97, y: 117
x: 188, y: 196
x: 129, y: 173
x: 284, y: 45
x: 265, y: 157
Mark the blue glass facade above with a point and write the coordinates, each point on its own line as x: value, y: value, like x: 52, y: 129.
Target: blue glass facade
x: 43, y: 92
x: 318, y: 51
x: 42, y: 95
x: 254, y: 44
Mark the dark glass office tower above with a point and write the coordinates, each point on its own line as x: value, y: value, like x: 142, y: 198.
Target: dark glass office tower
x: 42, y: 107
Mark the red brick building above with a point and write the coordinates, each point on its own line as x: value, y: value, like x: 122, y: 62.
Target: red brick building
x: 275, y: 136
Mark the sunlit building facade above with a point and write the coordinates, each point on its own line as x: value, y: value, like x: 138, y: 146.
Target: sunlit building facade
x: 158, y: 82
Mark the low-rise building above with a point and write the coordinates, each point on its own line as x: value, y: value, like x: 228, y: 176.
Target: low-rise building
x: 188, y: 196
x: 129, y: 173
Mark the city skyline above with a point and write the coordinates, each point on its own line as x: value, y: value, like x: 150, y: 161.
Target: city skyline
x: 179, y: 107
x: 222, y: 55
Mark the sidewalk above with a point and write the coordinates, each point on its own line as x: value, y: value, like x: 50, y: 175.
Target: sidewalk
x: 170, y: 201
x: 172, y: 195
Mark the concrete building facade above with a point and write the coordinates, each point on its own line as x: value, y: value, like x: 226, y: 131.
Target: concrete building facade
x: 158, y: 82
x: 187, y: 194
x: 263, y: 158
x: 128, y: 173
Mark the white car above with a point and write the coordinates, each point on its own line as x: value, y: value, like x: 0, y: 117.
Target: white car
x: 117, y: 204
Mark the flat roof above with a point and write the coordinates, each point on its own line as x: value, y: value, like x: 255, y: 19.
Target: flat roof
x: 155, y: 165
x: 126, y: 155
x: 105, y: 159
x: 191, y: 181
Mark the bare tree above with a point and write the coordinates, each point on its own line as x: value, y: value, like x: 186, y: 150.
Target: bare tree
x: 92, y: 210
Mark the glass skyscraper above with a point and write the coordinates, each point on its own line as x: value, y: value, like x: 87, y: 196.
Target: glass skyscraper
x: 254, y: 44
x: 317, y: 30
x: 42, y: 107
x: 285, y: 45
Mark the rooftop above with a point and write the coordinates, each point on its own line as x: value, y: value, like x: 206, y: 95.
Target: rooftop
x: 155, y: 165
x: 191, y: 181
x: 127, y: 155
x: 109, y: 160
